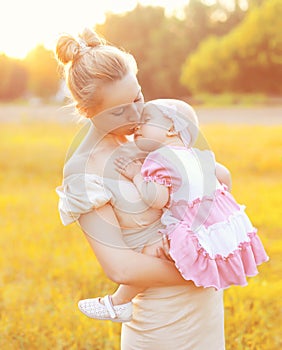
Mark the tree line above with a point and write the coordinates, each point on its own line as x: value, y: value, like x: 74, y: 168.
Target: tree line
x: 35, y: 76
x: 210, y: 48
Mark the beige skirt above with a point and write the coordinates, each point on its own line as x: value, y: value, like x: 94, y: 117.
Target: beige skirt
x: 173, y: 318
x: 178, y: 317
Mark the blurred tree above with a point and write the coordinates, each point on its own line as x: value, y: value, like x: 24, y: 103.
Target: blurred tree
x: 160, y: 44
x: 197, y: 22
x: 152, y: 39
x: 13, y: 78
x: 249, y: 59
x: 226, y: 18
x: 169, y: 47
x: 254, y: 3
x: 203, y: 20
x: 43, y: 72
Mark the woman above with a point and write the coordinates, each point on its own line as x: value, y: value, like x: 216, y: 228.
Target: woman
x: 171, y: 313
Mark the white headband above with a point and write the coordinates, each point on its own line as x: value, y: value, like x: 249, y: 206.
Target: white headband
x: 186, y: 129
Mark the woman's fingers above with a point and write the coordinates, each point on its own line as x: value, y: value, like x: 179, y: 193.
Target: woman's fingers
x: 165, y: 242
x: 165, y: 247
x: 161, y: 253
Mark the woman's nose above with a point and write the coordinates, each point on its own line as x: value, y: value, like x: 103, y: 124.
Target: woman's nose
x: 135, y: 113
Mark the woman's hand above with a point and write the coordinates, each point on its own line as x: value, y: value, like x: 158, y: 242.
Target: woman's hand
x: 223, y: 175
x: 163, y: 250
x: 159, y: 249
x: 125, y: 266
x: 128, y: 167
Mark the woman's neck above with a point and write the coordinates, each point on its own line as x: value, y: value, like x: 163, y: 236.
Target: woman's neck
x: 104, y: 139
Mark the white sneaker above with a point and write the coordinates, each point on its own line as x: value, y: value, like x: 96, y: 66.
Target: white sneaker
x: 93, y: 308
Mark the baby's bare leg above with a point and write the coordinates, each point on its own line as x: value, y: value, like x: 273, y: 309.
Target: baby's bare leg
x: 126, y: 293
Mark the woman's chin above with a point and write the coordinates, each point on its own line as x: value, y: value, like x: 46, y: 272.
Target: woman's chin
x: 124, y: 131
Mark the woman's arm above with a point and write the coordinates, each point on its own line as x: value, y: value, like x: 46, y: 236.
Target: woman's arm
x: 121, y: 264
x: 223, y: 175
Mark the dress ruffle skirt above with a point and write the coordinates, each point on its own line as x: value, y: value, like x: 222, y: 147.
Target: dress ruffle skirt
x: 218, y: 252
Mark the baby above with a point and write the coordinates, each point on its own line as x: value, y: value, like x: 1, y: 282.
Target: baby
x: 211, y: 239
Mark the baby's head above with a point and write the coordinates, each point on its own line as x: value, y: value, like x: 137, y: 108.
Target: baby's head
x: 179, y: 115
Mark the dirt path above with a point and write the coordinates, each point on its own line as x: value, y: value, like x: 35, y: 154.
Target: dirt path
x: 241, y: 115
x: 231, y: 115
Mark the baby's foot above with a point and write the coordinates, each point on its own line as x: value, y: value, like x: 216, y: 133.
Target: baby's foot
x: 94, y: 308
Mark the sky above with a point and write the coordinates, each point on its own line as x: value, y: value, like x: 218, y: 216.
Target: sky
x: 26, y: 23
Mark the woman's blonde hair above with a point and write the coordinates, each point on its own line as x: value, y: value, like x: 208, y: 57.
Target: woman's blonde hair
x: 89, y: 62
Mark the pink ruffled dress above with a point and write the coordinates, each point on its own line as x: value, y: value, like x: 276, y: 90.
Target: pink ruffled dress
x: 212, y: 240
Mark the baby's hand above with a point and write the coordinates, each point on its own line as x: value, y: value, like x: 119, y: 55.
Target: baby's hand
x: 128, y: 167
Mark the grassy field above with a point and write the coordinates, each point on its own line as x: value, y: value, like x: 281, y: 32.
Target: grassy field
x: 46, y: 268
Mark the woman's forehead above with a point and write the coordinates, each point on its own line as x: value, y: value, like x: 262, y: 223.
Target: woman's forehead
x: 120, y: 92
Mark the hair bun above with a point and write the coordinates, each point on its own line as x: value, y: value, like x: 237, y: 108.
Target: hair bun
x: 67, y: 48
x: 91, y: 38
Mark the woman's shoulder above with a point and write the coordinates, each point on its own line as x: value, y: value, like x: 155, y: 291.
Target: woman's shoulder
x: 79, y: 194
x: 84, y: 178
x: 74, y: 165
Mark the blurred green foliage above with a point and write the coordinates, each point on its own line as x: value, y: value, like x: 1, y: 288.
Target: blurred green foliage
x: 248, y: 59
x: 209, y: 49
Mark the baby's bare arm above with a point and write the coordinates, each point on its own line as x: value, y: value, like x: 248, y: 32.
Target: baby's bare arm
x: 223, y: 175
x: 153, y: 194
